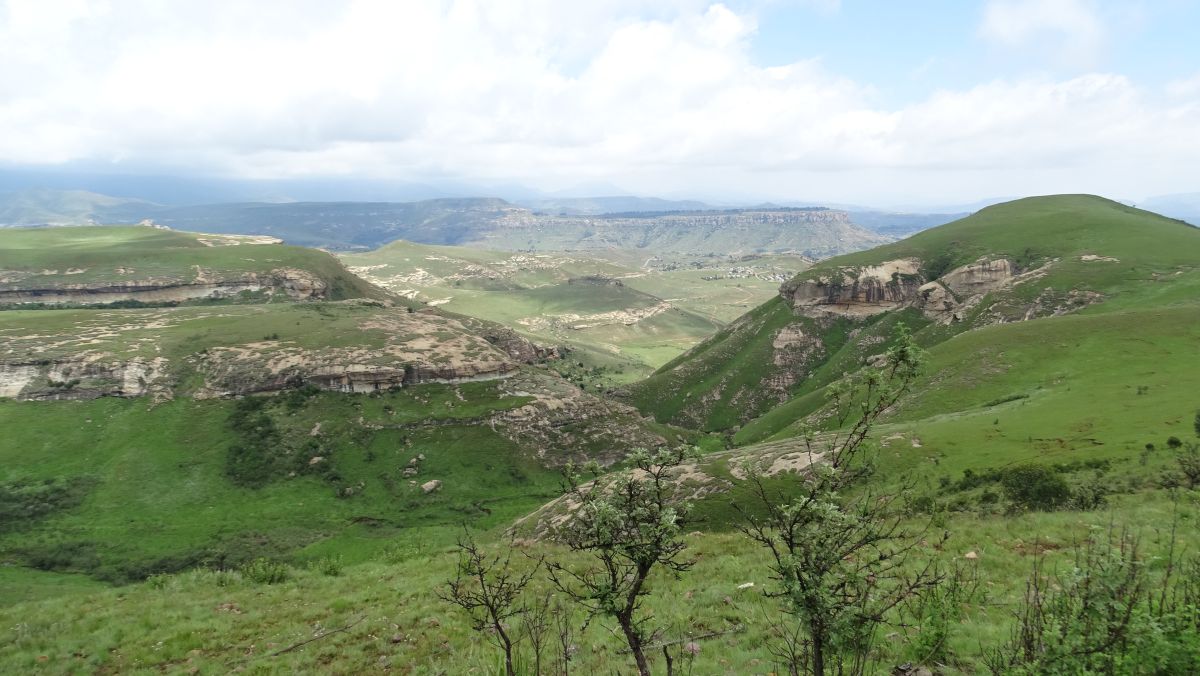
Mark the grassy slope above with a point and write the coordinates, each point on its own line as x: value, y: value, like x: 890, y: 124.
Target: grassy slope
x: 1157, y: 266
x: 215, y: 622
x: 154, y: 254
x: 160, y: 497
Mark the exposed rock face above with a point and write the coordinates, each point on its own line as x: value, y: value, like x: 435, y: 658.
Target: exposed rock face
x: 398, y: 348
x: 857, y: 291
x: 870, y: 290
x: 84, y: 377
x: 294, y: 283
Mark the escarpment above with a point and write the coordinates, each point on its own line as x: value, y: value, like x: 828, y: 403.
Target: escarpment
x: 292, y: 283
x: 222, y: 352
x: 860, y: 292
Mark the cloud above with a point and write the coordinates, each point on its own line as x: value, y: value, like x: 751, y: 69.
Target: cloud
x: 1071, y: 31
x: 662, y: 96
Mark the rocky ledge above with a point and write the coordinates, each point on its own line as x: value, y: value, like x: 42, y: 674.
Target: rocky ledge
x: 294, y: 283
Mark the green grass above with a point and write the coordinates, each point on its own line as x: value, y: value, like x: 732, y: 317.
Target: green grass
x: 49, y: 258
x: 220, y: 621
x: 181, y: 332
x: 160, y: 498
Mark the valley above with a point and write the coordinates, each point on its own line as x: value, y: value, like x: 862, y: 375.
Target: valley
x: 621, y: 313
x: 221, y: 446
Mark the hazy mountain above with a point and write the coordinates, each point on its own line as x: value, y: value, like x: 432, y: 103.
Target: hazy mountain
x: 59, y: 207
x: 1185, y: 206
x: 592, y: 206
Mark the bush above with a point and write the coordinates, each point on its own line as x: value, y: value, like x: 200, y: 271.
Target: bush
x: 266, y: 571
x: 329, y: 566
x: 1035, y: 487
x: 1108, y: 613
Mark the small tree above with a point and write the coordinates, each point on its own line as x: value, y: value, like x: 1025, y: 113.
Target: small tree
x: 629, y: 525
x: 839, y: 550
x: 489, y: 589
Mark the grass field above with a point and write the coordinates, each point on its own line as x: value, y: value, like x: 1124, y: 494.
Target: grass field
x: 215, y: 622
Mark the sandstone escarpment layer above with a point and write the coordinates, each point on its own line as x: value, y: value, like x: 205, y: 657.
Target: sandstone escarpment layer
x: 292, y: 283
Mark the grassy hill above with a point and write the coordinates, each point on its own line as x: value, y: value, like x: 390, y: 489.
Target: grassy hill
x: 1029, y: 259
x: 101, y: 264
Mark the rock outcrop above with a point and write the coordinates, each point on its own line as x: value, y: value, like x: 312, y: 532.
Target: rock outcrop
x: 860, y: 291
x: 293, y: 283
x: 869, y: 290
x: 87, y: 376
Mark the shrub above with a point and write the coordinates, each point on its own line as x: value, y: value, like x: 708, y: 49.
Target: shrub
x: 266, y: 571
x: 1108, y: 613
x: 1035, y: 487
x: 329, y: 566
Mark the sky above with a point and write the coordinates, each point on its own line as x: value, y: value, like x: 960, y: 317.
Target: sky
x: 852, y: 101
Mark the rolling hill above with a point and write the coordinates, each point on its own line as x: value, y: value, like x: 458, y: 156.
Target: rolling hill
x: 1061, y: 334
x: 1032, y: 260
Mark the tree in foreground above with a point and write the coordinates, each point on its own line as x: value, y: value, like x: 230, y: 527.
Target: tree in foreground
x: 840, y: 552
x: 489, y: 589
x: 628, y: 525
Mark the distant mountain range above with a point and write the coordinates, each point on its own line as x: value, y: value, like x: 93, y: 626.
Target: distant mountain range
x: 1184, y: 206
x: 686, y: 226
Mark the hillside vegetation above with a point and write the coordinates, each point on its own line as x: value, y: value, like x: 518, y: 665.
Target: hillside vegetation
x: 1033, y: 259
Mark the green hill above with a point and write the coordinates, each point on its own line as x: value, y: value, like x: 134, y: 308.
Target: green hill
x: 97, y: 265
x: 1030, y: 259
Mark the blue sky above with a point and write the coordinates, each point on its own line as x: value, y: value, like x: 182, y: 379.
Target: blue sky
x: 882, y: 102
x: 906, y: 50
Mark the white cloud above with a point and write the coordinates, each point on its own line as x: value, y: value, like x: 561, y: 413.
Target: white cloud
x: 1069, y: 30
x: 660, y: 96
